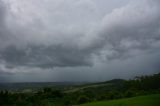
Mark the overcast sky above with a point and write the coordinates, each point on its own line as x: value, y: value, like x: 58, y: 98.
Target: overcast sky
x: 78, y: 40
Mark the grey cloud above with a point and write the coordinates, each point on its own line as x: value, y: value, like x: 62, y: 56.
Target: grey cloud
x: 2, y: 20
x: 46, y: 57
x: 48, y: 34
x: 135, y: 26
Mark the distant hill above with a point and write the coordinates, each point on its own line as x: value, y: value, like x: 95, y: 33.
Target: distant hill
x: 35, y: 85
x: 104, y: 86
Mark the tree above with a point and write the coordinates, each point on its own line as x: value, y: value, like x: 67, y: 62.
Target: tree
x: 83, y: 99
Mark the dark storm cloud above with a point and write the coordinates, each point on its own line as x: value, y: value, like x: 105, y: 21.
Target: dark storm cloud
x: 45, y: 57
x: 48, y: 34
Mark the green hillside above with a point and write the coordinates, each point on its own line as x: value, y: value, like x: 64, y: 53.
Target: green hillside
x: 149, y: 100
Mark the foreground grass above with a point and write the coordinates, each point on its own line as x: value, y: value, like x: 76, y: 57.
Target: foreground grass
x: 149, y: 100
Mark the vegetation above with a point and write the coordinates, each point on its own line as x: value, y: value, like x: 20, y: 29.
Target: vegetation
x: 80, y: 94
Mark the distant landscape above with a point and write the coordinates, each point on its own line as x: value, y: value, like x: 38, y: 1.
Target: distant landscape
x: 79, y: 52
x: 142, y: 90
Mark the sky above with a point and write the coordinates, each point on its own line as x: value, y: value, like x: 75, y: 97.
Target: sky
x: 78, y: 40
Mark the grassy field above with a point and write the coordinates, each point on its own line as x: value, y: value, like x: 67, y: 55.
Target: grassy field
x: 149, y: 100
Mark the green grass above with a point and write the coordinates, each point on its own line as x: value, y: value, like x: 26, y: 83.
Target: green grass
x: 148, y: 100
